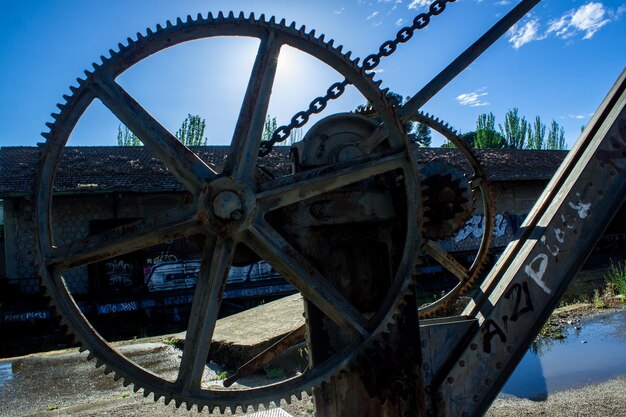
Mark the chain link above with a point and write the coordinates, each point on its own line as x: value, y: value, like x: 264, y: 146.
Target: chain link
x: 337, y: 89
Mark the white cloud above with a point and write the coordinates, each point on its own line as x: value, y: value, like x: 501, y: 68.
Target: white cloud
x: 399, y: 22
x: 587, y: 19
x: 503, y: 2
x: 373, y: 15
x: 473, y: 98
x: 419, y: 3
x: 521, y: 34
x: 579, y: 116
x: 340, y: 10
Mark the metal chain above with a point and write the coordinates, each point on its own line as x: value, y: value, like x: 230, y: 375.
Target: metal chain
x: 337, y: 89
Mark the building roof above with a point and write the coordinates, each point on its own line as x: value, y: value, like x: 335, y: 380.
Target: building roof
x: 134, y: 169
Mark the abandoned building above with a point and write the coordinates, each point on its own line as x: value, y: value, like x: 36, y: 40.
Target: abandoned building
x: 98, y: 188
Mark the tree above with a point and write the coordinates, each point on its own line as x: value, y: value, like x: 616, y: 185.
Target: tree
x: 536, y: 135
x: 486, y: 135
x: 126, y: 138
x: 556, y: 136
x: 191, y: 132
x: 420, y: 134
x: 515, y: 129
x: 269, y: 127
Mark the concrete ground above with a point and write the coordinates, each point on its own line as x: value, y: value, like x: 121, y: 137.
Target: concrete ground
x: 64, y: 383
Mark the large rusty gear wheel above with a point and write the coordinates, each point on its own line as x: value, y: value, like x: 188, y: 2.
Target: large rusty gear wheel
x: 228, y: 208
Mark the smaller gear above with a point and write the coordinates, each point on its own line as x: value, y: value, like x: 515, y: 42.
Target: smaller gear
x: 447, y: 199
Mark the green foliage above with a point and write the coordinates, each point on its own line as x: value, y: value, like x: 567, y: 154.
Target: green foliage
x: 126, y: 138
x: 486, y: 135
x: 556, y: 136
x: 174, y: 341
x: 420, y: 134
x: 221, y: 376
x: 269, y: 127
x: 191, y: 132
x: 617, y: 276
x: 536, y: 135
x: 274, y: 373
x: 515, y: 129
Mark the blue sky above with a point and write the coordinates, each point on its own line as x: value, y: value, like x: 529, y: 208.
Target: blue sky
x: 559, y: 62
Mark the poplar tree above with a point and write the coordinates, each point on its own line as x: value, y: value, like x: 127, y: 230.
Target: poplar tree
x: 556, y: 136
x: 191, y: 132
x: 125, y: 137
x: 515, y: 129
x: 536, y: 135
x: 486, y: 135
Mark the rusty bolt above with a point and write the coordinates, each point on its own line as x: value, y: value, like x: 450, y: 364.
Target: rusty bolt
x: 475, y: 398
x: 450, y: 380
x: 498, y: 365
x: 461, y: 364
x: 487, y: 381
x: 317, y: 210
x: 473, y: 346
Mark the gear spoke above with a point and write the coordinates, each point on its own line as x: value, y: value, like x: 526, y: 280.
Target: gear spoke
x: 311, y: 183
x: 295, y: 268
x: 173, y: 224
x: 190, y: 170
x: 244, y: 149
x: 435, y: 251
x: 216, y: 261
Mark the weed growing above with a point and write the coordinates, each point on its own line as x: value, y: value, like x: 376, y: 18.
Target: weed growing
x: 617, y: 276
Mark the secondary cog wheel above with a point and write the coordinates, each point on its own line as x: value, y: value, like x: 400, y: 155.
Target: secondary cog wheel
x: 447, y: 199
x: 228, y: 208
x: 458, y: 192
x: 479, y: 184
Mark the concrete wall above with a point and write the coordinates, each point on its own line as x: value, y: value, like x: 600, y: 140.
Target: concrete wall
x: 71, y: 222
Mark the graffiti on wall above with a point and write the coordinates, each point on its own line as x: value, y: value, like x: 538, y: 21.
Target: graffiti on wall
x: 475, y: 227
x: 119, y: 273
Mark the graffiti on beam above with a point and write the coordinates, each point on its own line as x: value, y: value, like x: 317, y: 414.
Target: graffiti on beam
x: 475, y: 227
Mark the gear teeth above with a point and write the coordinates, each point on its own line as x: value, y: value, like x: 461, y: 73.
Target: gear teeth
x: 55, y: 116
x: 89, y: 73
x: 189, y: 19
x: 136, y: 388
x: 231, y: 15
x: 90, y: 356
x: 199, y: 17
x: 116, y: 376
x: 140, y: 36
x: 145, y: 393
x: 159, y: 28
x: 168, y: 24
x: 220, y: 15
x: 49, y: 125
x: 311, y: 34
x: 330, y: 43
x: 283, y: 22
x: 272, y: 20
x: 66, y: 98
x: 149, y: 32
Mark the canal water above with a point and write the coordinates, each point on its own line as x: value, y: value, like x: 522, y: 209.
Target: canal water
x: 591, y: 353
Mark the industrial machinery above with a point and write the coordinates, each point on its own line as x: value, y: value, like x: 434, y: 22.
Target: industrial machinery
x: 356, y: 193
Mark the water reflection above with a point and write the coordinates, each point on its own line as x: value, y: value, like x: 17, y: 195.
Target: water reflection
x: 6, y: 372
x: 590, y: 354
